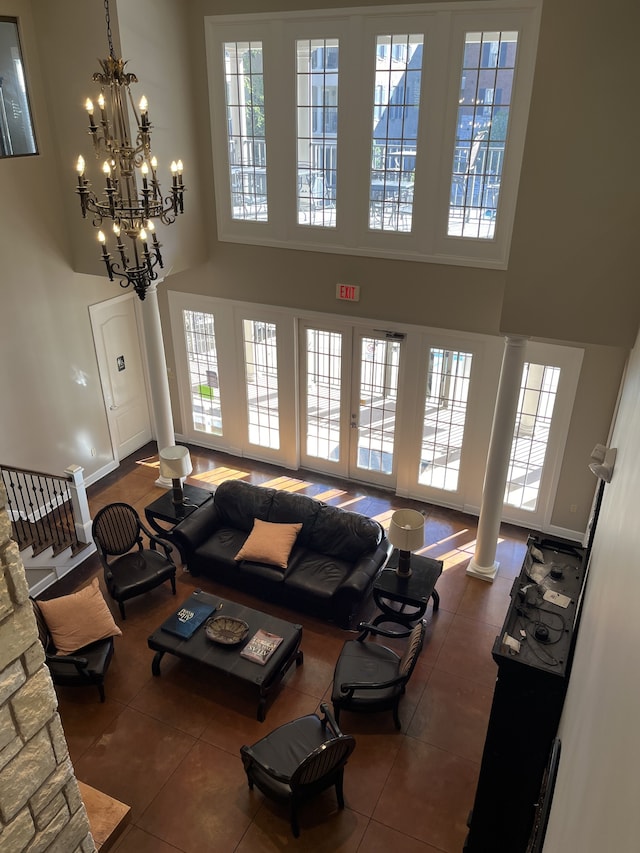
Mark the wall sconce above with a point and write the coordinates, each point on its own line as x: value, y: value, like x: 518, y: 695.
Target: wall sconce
x: 406, y: 533
x: 603, y: 460
x: 175, y: 463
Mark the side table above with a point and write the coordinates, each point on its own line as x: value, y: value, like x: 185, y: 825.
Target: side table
x: 164, y: 510
x: 410, y: 595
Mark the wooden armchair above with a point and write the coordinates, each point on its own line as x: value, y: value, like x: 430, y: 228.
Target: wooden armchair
x: 299, y: 760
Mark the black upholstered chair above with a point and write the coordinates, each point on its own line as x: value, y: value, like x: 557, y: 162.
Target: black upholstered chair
x: 298, y: 760
x: 85, y: 667
x: 371, y: 677
x: 130, y: 568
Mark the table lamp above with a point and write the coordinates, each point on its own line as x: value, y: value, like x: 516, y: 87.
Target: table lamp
x: 175, y: 463
x: 406, y: 533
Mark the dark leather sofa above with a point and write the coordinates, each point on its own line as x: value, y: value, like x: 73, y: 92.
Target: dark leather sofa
x: 336, y: 556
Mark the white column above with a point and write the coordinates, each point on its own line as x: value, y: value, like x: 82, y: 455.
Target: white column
x: 157, y: 366
x: 484, y: 565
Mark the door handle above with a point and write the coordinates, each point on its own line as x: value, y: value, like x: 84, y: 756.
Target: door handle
x: 113, y: 408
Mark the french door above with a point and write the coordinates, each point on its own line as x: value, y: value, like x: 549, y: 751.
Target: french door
x: 350, y: 381
x: 410, y: 411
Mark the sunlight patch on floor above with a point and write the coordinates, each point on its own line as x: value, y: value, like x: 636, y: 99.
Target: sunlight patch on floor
x: 219, y: 475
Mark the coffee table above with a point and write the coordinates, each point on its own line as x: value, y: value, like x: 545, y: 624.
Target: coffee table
x: 227, y: 659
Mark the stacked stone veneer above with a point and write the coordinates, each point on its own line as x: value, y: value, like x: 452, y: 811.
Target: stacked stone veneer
x: 40, y: 804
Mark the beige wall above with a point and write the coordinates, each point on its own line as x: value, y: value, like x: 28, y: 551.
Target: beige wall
x: 45, y: 338
x: 49, y: 255
x: 597, y: 789
x: 571, y: 270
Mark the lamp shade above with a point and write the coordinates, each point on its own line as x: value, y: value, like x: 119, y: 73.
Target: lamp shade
x: 175, y: 463
x: 406, y: 530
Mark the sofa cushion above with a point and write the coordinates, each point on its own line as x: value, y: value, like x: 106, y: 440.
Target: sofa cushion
x: 343, y: 534
x: 239, y: 503
x: 222, y: 546
x: 269, y: 543
x: 289, y: 508
x: 316, y: 575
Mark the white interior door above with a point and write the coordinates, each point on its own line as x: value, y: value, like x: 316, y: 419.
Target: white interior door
x: 120, y: 362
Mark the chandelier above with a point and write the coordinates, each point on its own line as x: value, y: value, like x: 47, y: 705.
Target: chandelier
x: 132, y: 197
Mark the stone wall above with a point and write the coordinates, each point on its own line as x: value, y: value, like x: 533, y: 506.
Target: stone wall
x: 40, y: 804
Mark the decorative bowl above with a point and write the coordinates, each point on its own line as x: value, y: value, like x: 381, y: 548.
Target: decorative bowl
x: 226, y: 630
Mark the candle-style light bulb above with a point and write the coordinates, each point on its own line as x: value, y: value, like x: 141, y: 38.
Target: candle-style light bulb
x: 142, y: 235
x: 88, y: 105
x: 144, y: 105
x: 154, y: 163
x: 179, y: 167
x: 144, y: 169
x: 102, y: 239
x: 106, y: 168
x: 80, y: 165
x: 101, y: 101
x: 116, y: 229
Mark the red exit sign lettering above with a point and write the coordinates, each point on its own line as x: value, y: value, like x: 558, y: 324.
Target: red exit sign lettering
x: 350, y: 292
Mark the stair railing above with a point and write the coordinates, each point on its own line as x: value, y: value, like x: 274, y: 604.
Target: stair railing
x: 47, y: 510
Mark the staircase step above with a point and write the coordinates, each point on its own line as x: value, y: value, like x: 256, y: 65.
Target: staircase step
x: 107, y: 817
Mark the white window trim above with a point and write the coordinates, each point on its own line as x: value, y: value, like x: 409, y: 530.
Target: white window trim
x: 444, y: 25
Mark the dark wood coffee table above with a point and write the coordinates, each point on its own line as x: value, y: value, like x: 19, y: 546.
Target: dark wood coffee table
x: 227, y: 659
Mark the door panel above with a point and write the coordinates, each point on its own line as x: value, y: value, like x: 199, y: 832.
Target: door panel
x: 325, y: 360
x: 373, y: 414
x: 117, y: 342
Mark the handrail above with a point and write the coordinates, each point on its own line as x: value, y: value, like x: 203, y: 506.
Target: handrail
x: 35, y: 473
x: 47, y: 510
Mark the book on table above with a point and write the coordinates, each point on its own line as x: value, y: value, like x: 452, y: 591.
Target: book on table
x: 261, y: 646
x: 186, y: 621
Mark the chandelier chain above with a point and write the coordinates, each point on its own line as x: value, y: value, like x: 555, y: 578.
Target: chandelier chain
x: 109, y: 34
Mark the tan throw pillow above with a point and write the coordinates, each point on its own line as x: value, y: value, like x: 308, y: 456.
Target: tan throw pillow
x: 270, y: 543
x: 76, y: 620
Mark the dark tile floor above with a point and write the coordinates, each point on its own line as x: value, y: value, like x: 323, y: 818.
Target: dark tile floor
x: 169, y: 746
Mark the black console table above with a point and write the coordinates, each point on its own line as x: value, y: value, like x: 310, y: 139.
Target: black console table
x: 533, y: 652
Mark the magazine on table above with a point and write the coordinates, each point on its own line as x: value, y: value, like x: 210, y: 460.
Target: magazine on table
x: 261, y: 646
x: 188, y: 619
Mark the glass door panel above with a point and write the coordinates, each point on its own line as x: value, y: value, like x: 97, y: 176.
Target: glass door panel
x: 261, y: 383
x: 373, y: 417
x: 323, y: 394
x: 445, y: 414
x: 531, y: 435
x: 202, y: 359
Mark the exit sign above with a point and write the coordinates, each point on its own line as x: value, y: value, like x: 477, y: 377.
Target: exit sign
x: 350, y: 292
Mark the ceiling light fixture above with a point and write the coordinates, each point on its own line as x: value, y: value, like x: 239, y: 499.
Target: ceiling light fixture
x: 132, y: 197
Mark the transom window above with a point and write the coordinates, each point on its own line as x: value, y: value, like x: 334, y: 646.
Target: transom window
x: 396, y: 101
x: 246, y: 130
x: 381, y: 142
x: 317, y: 88
x: 486, y: 84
